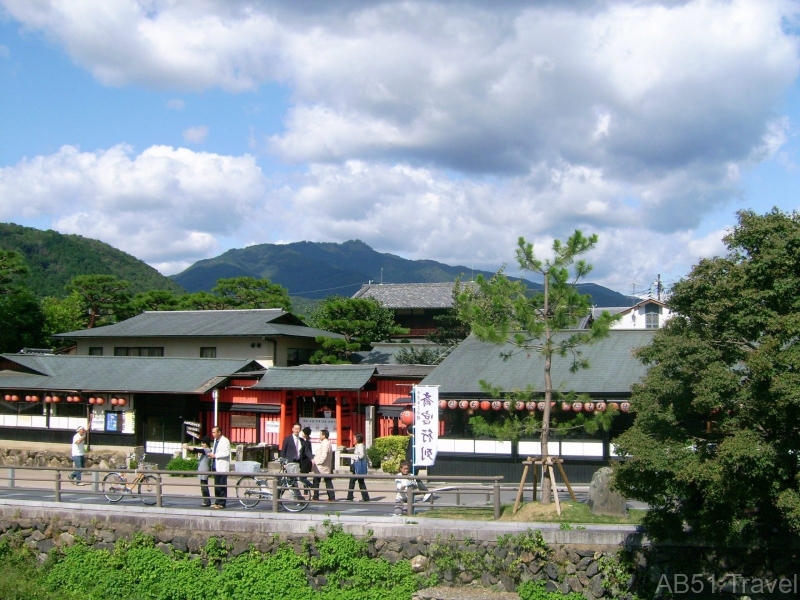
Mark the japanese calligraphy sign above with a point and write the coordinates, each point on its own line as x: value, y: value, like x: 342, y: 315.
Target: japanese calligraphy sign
x: 426, y: 424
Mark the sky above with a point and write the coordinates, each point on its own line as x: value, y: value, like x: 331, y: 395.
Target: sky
x: 175, y: 130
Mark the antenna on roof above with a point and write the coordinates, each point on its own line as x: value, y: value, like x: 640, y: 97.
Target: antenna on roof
x: 633, y: 292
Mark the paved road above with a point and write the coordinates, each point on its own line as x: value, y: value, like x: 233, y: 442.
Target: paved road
x: 184, y: 493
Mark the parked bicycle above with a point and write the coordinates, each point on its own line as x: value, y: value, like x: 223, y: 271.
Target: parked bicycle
x: 294, y: 494
x: 116, y: 485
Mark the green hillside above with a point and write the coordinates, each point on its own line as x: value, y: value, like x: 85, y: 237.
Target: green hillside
x: 316, y: 270
x: 55, y: 258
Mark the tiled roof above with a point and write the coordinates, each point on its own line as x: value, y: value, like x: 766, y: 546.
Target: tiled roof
x: 613, y: 369
x: 120, y: 373
x: 409, y: 295
x: 316, y: 377
x: 383, y: 353
x: 205, y: 323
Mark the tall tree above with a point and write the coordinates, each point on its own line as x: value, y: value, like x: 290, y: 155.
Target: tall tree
x: 360, y: 320
x: 21, y: 321
x: 102, y: 296
x: 249, y: 292
x: 12, y: 266
x: 506, y: 311
x: 716, y: 438
x: 62, y: 315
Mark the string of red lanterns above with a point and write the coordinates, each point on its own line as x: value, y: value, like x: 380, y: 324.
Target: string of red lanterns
x: 531, y: 406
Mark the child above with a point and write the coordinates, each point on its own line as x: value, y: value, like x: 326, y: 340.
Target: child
x: 404, y: 482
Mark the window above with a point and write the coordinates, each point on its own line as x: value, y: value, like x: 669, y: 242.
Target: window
x: 138, y: 351
x: 95, y: 351
x: 298, y: 356
x: 651, y: 321
x: 208, y: 352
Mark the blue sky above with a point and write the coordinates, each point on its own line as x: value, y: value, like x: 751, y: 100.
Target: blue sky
x: 431, y: 130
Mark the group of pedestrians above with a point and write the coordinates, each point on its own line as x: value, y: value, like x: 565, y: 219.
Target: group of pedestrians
x: 214, y: 455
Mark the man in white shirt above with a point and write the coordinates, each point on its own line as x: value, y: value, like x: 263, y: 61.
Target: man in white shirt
x: 78, y: 454
x: 221, y: 454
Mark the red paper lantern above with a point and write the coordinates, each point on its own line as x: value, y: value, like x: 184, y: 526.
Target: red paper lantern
x: 48, y: 399
x: 519, y: 405
x: 121, y: 402
x: 613, y: 406
x: 27, y: 398
x: 540, y: 406
x: 577, y: 406
x: 530, y: 405
x: 463, y: 404
x: 91, y: 400
x: 497, y: 405
x: 451, y: 404
x: 15, y: 398
x: 55, y: 399
x: 442, y: 404
x: 566, y: 406
x: 407, y: 417
x: 506, y: 405
x: 600, y: 407
x: 7, y: 398
x: 474, y: 404
x: 99, y: 400
x: 35, y: 398
x: 589, y: 407
x: 113, y: 402
x: 625, y: 406
x: 485, y: 405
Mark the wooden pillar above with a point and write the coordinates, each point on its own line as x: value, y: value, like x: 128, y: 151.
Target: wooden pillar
x: 282, y: 430
x: 339, y: 441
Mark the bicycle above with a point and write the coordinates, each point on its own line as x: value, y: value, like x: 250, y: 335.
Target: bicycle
x: 292, y: 496
x: 116, y: 485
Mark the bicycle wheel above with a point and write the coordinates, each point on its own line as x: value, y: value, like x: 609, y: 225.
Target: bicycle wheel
x: 293, y: 499
x: 113, y: 487
x: 147, y: 490
x: 248, y: 491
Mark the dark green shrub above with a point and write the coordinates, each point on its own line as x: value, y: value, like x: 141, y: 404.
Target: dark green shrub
x: 182, y: 464
x: 388, y: 452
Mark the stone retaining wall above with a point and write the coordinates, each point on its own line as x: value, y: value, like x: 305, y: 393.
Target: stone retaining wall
x: 594, y: 570
x: 16, y: 457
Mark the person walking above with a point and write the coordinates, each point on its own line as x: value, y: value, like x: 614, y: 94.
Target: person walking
x: 306, y: 456
x: 221, y: 453
x: 323, y: 464
x: 203, y: 466
x: 78, y: 453
x: 359, y: 468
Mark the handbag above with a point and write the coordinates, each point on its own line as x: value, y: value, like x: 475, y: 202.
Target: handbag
x: 353, y: 466
x: 360, y: 466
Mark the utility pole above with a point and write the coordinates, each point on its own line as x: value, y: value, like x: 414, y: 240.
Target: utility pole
x: 659, y: 287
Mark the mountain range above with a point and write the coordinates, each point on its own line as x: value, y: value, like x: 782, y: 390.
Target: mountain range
x: 318, y: 269
x: 309, y: 270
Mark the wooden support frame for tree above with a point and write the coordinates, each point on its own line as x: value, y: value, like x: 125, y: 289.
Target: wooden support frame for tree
x: 547, y: 471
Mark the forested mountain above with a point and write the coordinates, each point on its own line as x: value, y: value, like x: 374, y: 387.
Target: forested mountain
x: 54, y: 259
x: 317, y: 270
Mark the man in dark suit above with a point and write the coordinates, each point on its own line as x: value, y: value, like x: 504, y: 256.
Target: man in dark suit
x: 292, y: 447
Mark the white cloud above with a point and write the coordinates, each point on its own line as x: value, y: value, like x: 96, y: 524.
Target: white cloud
x: 176, y: 104
x: 437, y: 130
x: 162, y: 205
x: 196, y: 135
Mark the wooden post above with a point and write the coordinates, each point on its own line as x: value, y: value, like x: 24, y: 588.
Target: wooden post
x: 555, y: 491
x: 517, y: 502
x: 558, y: 462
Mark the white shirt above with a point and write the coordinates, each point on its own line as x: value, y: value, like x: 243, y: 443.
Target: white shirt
x: 78, y: 444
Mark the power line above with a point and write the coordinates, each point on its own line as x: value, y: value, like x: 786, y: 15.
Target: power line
x: 341, y: 287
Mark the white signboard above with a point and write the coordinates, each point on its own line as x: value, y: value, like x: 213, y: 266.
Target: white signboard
x: 426, y: 424
x: 272, y: 427
x: 318, y: 424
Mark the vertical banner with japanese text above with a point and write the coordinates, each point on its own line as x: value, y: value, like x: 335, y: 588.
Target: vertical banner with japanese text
x: 426, y: 424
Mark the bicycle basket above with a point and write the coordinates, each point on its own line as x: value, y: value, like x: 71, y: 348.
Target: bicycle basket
x: 292, y: 467
x: 145, y: 466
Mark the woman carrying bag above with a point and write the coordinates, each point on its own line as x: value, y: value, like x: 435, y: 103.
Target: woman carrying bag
x: 359, y: 468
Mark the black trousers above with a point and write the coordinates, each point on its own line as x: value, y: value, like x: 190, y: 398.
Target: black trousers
x: 220, y: 489
x: 328, y: 487
x: 361, y: 485
x: 205, y: 493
